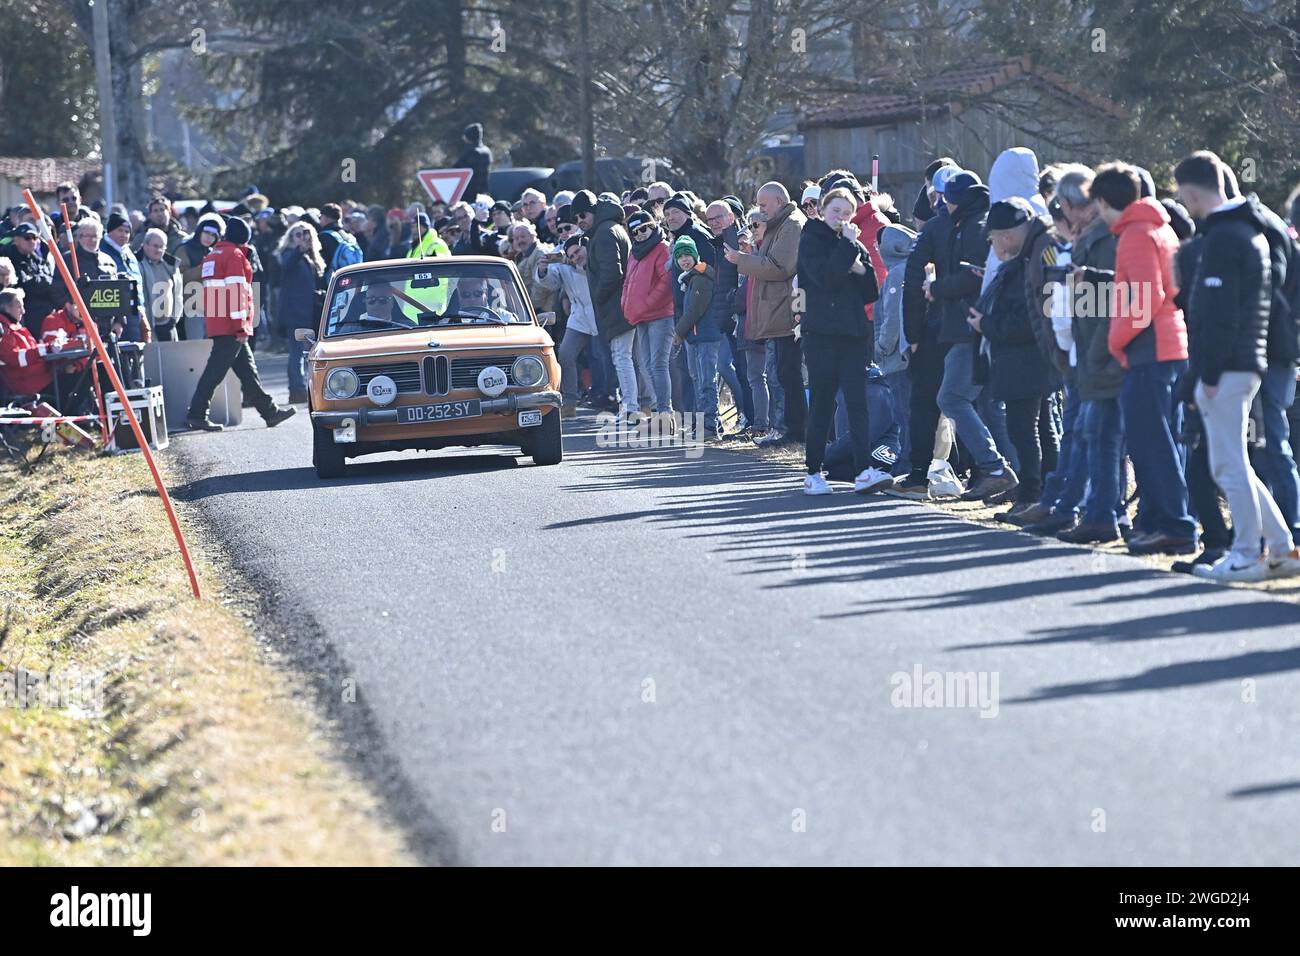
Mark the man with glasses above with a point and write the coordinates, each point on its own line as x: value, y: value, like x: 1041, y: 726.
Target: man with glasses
x: 34, y: 271
x: 527, y: 251
x: 382, y: 307
x: 534, y: 210
x: 770, y: 267
x: 721, y: 219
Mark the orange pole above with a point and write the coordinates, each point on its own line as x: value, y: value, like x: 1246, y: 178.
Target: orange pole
x: 94, y: 362
x: 92, y: 330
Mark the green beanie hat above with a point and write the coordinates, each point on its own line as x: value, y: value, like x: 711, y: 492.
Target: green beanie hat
x: 685, y: 246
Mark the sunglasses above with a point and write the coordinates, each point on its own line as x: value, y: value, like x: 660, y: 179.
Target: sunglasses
x: 643, y: 231
x: 810, y: 202
x: 372, y: 299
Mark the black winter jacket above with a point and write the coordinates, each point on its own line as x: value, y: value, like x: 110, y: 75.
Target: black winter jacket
x: 1231, y: 297
x: 933, y: 238
x: 1284, y: 260
x: 835, y: 299
x: 1019, y: 367
x: 955, y: 289
x: 607, y: 268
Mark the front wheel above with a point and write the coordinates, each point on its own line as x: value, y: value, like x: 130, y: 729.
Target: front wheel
x: 326, y: 454
x: 546, y: 444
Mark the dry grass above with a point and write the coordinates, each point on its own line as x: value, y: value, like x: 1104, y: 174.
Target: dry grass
x: 206, y: 752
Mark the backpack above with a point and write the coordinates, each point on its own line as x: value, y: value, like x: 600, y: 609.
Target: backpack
x: 346, y: 253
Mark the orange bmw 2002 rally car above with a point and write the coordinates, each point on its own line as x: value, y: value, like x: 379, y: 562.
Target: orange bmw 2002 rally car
x: 426, y: 353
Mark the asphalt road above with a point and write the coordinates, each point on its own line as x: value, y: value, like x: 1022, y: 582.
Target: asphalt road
x: 640, y: 657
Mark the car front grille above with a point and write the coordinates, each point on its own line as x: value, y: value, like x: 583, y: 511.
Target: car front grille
x: 405, y: 374
x: 436, y: 375
x: 465, y: 371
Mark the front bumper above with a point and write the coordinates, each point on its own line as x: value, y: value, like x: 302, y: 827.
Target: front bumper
x: 362, y: 417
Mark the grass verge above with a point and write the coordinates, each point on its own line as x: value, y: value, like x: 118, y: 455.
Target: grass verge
x: 185, y: 740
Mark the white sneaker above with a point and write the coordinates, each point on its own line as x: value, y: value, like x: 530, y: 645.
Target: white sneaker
x: 1233, y: 567
x: 1286, y: 566
x: 816, y: 485
x: 872, y: 479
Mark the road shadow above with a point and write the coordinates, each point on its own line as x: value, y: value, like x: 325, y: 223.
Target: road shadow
x: 358, y: 473
x: 1266, y: 790
x: 754, y: 515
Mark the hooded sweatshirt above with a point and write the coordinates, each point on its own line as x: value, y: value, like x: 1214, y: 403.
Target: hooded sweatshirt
x: 892, y: 352
x: 1014, y: 173
x: 1145, y: 326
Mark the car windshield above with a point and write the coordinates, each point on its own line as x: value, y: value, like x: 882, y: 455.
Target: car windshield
x: 423, y: 295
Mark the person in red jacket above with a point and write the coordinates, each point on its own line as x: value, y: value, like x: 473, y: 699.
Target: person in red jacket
x: 229, y: 310
x: 648, y: 306
x: 61, y: 330
x: 22, y: 358
x: 1147, y: 336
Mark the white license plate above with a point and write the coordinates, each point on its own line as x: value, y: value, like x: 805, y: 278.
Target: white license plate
x: 418, y: 414
x: 529, y: 418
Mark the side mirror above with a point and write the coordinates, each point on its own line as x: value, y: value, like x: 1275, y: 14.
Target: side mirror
x: 305, y: 335
x: 546, y: 319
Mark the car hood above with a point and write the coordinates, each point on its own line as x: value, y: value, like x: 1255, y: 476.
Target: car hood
x: 484, y: 337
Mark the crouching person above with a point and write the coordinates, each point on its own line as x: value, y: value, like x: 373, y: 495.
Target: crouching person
x: 886, y: 437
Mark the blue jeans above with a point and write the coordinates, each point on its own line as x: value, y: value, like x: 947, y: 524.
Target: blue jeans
x: 297, y: 364
x: 654, y: 343
x: 571, y: 346
x: 957, y: 397
x: 760, y: 396
x: 727, y: 369
x: 703, y: 357
x: 603, y: 377
x: 1102, y: 433
x: 1278, y: 464
x: 1064, y: 487
x: 775, y: 393
x: 1152, y: 421
x: 679, y: 370
x: 994, y: 415
x: 900, y: 386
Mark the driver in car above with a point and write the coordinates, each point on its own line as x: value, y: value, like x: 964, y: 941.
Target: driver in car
x: 473, y: 297
x: 381, y: 306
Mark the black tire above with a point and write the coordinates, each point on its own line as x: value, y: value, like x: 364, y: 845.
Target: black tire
x: 326, y: 454
x: 546, y: 444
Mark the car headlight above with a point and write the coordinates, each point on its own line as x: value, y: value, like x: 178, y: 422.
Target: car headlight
x: 528, y: 371
x: 341, y: 383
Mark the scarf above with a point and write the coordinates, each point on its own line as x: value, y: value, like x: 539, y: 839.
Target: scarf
x: 644, y: 247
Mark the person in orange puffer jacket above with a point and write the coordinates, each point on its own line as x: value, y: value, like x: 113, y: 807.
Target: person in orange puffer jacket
x: 229, y: 309
x: 1148, y: 337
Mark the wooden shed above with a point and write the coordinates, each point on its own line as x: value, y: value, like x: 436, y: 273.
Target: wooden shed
x: 971, y: 114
